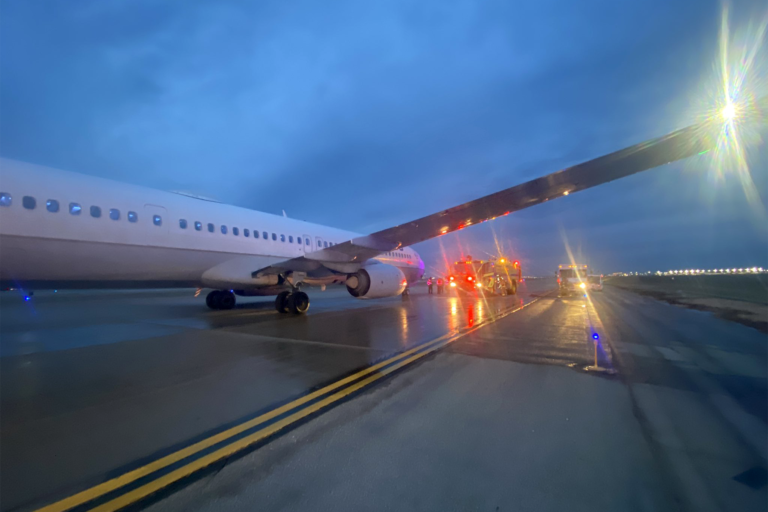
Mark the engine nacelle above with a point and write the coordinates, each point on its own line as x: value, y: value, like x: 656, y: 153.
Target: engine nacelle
x: 376, y: 282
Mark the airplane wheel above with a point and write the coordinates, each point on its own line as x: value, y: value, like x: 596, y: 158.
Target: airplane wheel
x: 213, y: 299
x: 281, y: 302
x: 298, y: 303
x: 226, y: 300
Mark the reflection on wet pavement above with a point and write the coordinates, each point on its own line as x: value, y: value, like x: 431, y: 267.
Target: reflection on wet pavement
x: 554, y: 331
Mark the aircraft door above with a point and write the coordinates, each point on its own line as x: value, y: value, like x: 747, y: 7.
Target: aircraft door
x: 306, y: 244
x: 156, y: 220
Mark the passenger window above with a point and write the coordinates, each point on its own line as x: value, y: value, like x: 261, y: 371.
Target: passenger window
x: 114, y: 214
x: 157, y: 220
x: 210, y: 228
x: 198, y: 225
x: 223, y: 229
x: 132, y: 217
x: 95, y: 212
x: 282, y: 238
x: 290, y: 239
x: 255, y: 234
x: 265, y: 235
x: 5, y: 199
x: 52, y: 205
x: 274, y: 236
x: 246, y: 233
x: 319, y: 243
x: 28, y: 202
x: 235, y: 231
x: 325, y: 244
x: 306, y: 241
x: 183, y: 223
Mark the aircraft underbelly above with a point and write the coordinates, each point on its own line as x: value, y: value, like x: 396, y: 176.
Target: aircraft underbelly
x: 27, y: 259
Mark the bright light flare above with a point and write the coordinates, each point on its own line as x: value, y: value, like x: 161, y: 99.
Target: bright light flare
x: 729, y: 111
x: 729, y: 104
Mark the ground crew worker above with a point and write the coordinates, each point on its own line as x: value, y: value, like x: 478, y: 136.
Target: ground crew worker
x: 429, y: 285
x: 439, y: 285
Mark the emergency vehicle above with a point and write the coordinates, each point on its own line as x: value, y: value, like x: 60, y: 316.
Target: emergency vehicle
x: 497, y: 275
x: 572, y: 279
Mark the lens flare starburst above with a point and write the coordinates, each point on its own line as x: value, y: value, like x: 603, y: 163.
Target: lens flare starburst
x: 733, y: 102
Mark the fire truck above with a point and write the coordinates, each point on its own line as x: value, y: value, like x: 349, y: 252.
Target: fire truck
x: 572, y: 279
x: 497, y: 275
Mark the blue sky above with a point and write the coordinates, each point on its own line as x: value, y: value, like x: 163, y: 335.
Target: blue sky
x: 363, y: 115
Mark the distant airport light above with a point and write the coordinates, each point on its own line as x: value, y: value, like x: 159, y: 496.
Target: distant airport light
x: 566, y: 193
x: 582, y: 286
x: 453, y: 284
x: 479, y: 285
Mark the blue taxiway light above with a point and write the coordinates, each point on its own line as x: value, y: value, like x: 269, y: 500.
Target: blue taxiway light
x: 595, y: 337
x: 26, y: 297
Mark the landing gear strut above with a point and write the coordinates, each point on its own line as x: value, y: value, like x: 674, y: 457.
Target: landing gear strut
x: 220, y: 299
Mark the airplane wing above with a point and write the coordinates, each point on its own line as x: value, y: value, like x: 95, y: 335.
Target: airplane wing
x: 348, y: 256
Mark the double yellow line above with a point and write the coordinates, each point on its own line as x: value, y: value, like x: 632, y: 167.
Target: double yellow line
x: 364, y: 378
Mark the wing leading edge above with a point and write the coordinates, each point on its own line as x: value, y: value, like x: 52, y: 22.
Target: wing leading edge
x: 680, y: 144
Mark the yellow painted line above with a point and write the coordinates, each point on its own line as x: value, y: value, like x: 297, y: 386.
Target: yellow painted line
x: 155, y: 485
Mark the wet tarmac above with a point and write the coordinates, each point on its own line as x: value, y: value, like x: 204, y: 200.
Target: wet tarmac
x: 95, y: 384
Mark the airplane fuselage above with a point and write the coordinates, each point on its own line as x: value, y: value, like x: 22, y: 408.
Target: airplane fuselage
x: 60, y: 229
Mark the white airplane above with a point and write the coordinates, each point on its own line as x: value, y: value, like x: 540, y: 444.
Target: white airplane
x: 65, y: 230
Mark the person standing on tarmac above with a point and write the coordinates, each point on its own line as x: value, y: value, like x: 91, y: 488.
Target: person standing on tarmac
x: 439, y: 285
x: 429, y: 285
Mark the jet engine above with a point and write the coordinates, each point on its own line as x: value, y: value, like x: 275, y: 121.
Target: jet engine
x: 376, y: 281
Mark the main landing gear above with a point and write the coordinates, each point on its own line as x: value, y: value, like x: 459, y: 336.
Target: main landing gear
x: 296, y: 302
x: 220, y: 299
